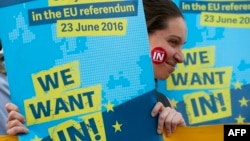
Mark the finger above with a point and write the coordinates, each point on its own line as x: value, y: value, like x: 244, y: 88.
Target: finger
x: 11, y: 107
x: 14, y: 123
x: 13, y: 115
x: 161, y: 120
x: 168, y: 122
x: 16, y: 130
x: 176, y: 119
x: 179, y: 120
x: 157, y: 108
x: 15, y: 126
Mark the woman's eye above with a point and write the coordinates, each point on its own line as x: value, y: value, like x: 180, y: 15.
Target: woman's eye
x: 173, y: 42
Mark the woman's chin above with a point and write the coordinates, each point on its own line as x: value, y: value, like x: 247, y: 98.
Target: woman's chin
x: 162, y: 76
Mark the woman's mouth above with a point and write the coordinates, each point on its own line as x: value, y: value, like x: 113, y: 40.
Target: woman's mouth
x: 172, y: 66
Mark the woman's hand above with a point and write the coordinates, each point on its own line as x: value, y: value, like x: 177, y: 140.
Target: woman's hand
x: 15, y: 121
x: 168, y: 117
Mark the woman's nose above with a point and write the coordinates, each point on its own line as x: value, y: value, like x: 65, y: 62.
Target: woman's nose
x: 179, y: 57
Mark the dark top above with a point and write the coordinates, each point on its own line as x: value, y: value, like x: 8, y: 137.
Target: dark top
x: 163, y: 99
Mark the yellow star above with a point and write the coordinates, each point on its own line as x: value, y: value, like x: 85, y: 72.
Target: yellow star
x: 174, y: 103
x: 240, y: 119
x: 237, y: 85
x: 243, y: 102
x: 117, y: 126
x: 36, y: 138
x: 109, y: 107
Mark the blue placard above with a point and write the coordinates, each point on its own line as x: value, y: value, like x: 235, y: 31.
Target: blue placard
x: 212, y: 86
x: 77, y: 69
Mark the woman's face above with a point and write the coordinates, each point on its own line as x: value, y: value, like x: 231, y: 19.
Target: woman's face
x: 171, y: 40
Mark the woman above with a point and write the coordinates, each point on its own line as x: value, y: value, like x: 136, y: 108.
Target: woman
x: 4, y: 93
x: 167, y: 33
